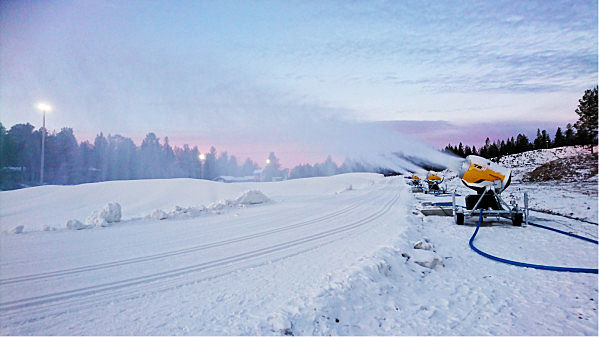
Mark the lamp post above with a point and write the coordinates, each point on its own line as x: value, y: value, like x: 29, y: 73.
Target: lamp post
x: 44, y: 108
x: 202, y: 158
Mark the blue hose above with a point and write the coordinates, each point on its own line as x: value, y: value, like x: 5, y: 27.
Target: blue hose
x: 529, y: 265
x: 565, y: 233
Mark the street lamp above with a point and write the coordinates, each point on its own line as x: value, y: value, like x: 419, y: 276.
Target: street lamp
x: 44, y: 108
x: 202, y: 158
x: 268, y: 161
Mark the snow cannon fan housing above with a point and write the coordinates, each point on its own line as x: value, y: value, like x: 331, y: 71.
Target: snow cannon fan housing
x: 479, y: 174
x: 434, y: 177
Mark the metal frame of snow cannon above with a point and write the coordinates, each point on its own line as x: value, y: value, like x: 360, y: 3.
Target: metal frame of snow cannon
x: 488, y: 179
x: 510, y: 211
x: 434, y: 186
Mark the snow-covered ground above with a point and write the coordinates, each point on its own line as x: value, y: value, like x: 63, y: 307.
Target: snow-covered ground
x: 526, y: 162
x: 328, y: 255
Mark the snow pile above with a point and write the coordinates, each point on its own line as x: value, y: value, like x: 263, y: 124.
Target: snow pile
x: 17, y: 229
x: 346, y: 189
x: 426, y: 258
x: 159, y: 215
x: 76, y: 225
x: 423, y: 244
x: 358, y: 301
x: 252, y: 197
x: 102, y: 218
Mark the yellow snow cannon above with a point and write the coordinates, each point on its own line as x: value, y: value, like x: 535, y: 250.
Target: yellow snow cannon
x: 479, y: 174
x: 434, y: 181
x: 488, y: 179
x: 416, y: 183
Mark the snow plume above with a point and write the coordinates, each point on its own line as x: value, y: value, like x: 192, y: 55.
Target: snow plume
x: 365, y: 144
x: 376, y: 147
x: 253, y: 116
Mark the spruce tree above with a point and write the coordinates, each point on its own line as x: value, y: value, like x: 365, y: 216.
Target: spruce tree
x: 587, y: 117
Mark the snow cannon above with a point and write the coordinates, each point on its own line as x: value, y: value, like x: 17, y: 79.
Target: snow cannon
x: 434, y: 181
x: 480, y: 174
x: 488, y: 179
x: 416, y: 182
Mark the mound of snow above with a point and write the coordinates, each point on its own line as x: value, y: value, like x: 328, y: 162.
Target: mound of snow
x: 76, y: 225
x: 159, y: 215
x: 109, y: 214
x: 426, y: 258
x: 17, y: 229
x: 423, y: 244
x: 252, y: 197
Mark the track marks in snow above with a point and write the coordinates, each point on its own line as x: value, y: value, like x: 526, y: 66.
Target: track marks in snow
x: 154, y: 281
x: 175, y: 252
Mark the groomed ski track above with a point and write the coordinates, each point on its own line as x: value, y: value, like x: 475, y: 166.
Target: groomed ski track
x: 263, y: 248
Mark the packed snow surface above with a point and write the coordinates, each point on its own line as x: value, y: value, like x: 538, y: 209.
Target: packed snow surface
x: 299, y: 257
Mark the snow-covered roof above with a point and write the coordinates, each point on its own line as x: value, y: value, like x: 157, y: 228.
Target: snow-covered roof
x: 234, y: 179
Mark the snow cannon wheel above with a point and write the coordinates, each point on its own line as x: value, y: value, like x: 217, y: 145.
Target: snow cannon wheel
x: 517, y: 219
x: 459, y: 218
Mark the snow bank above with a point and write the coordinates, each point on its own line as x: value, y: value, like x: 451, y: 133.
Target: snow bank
x: 426, y: 258
x: 76, y: 225
x: 252, y: 197
x: 17, y: 229
x: 159, y: 215
x: 106, y: 216
x: 359, y: 300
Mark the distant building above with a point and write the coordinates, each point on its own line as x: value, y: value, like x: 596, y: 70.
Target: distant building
x: 231, y: 179
x: 258, y: 175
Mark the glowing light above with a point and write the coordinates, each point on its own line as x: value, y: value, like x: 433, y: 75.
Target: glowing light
x: 202, y: 157
x: 44, y: 107
x: 267, y: 161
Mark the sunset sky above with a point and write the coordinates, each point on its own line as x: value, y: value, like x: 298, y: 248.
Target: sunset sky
x: 241, y: 75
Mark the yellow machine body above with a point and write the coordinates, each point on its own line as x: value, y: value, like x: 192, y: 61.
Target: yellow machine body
x: 479, y: 174
x: 434, y: 177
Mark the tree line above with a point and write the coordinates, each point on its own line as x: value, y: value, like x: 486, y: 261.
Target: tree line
x: 115, y: 157
x: 583, y: 132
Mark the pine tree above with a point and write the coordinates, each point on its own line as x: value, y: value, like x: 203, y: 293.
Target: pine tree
x: 587, y: 117
x: 570, y: 135
x: 100, y: 164
x: 558, y: 139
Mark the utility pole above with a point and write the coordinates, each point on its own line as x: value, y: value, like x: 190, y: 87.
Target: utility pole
x: 43, y: 107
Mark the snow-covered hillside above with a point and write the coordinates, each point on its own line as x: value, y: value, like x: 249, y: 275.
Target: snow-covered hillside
x: 526, y: 162
x: 347, y: 254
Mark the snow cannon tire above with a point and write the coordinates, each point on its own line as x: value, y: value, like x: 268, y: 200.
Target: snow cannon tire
x: 517, y: 219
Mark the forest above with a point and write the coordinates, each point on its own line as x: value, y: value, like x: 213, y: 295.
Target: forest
x: 115, y: 157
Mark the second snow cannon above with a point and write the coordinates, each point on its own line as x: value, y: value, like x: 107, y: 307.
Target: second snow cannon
x: 488, y: 179
x: 434, y: 182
